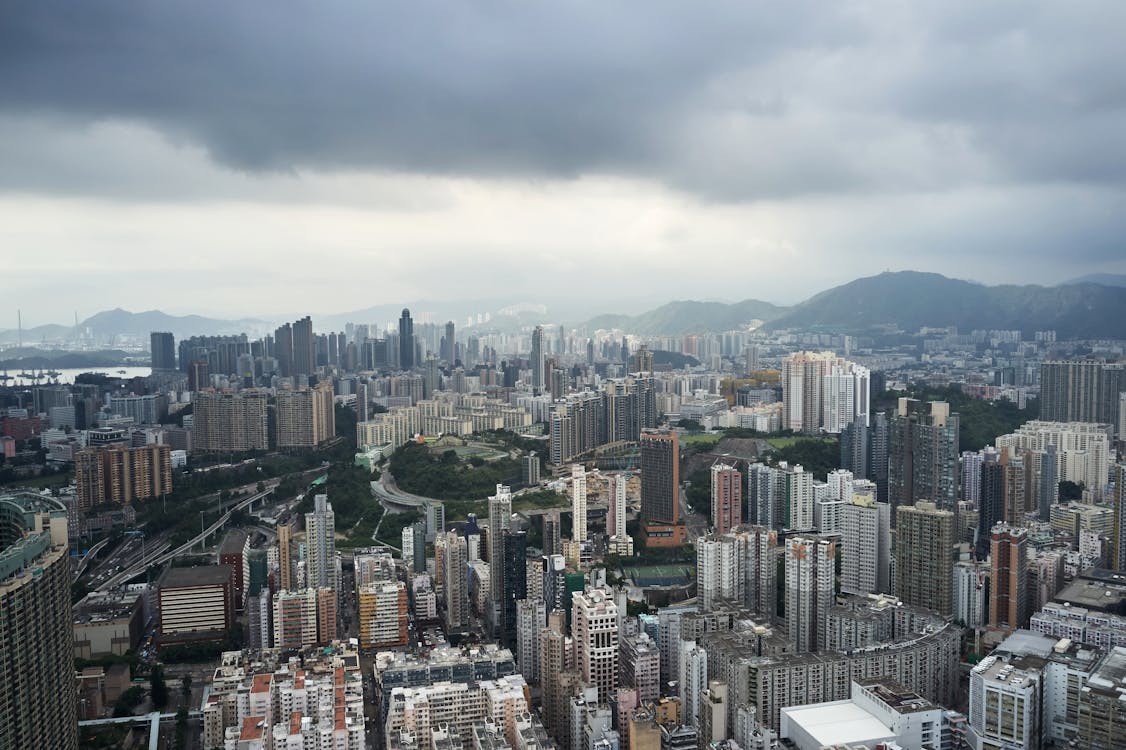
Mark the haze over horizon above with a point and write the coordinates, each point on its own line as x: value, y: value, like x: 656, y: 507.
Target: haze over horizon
x: 241, y: 162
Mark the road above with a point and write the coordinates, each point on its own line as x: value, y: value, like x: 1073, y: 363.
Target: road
x: 157, y: 558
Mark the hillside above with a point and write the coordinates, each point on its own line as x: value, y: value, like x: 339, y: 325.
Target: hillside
x: 910, y: 300
x: 688, y: 316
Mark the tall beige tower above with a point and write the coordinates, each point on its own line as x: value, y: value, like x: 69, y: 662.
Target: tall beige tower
x: 595, y: 622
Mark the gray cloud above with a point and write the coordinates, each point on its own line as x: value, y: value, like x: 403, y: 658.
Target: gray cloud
x: 727, y: 100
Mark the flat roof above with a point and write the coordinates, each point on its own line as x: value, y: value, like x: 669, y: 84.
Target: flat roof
x: 233, y: 543
x: 199, y: 575
x: 838, y: 722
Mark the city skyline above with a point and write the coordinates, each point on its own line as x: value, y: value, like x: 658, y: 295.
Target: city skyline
x: 556, y: 140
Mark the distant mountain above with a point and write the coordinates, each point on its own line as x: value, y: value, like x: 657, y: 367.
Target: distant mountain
x: 910, y: 300
x: 110, y: 323
x: 1106, y: 279
x: 687, y: 316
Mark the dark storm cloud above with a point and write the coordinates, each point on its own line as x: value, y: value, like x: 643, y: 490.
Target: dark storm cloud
x: 728, y: 100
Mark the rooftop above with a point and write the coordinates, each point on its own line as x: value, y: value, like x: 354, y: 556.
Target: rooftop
x: 838, y: 722
x: 200, y: 575
x: 233, y: 543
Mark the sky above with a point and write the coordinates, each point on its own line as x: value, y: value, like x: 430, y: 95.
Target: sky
x: 251, y: 158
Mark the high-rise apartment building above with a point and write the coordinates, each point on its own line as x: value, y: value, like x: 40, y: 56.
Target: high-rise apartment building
x: 721, y: 573
x: 1008, y: 579
x: 924, y: 557
x: 120, y: 474
x: 406, y: 341
x: 1081, y: 391
x: 578, y: 503
x: 660, y: 477
x: 227, y: 422
x: 286, y: 529
x: 810, y: 576
x: 727, y: 498
x: 515, y: 577
x: 823, y: 392
x: 455, y: 583
x: 865, y: 546
x: 1079, y: 452
x: 923, y: 455
x: 37, y: 695
x: 991, y: 500
x: 595, y: 625
x: 304, y: 349
x: 320, y: 545
x: 500, y: 520
x: 383, y: 614
x: 796, y: 488
x: 1118, y: 552
x: 163, y: 347
x: 448, y: 350
x: 616, y: 513
x: 283, y: 349
x: 306, y: 417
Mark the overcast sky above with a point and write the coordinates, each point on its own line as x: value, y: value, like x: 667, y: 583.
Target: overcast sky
x: 245, y: 158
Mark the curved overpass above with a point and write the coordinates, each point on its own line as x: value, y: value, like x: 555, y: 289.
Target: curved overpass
x: 389, y: 494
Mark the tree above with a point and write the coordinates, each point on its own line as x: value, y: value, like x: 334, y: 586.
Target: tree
x: 690, y: 425
x: 186, y: 685
x: 159, y: 688
x: 1070, y: 491
x: 128, y: 701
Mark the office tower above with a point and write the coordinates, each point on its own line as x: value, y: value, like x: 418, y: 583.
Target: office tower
x: 810, y: 571
x: 555, y: 593
x: 721, y: 573
x: 595, y: 622
x: 539, y: 381
x: 304, y: 348
x: 500, y: 519
x: 1080, y: 391
x: 796, y: 487
x: 515, y: 575
x: 578, y: 503
x: 286, y: 528
x: 163, y: 348
x: 229, y: 422
x: 120, y: 474
x: 660, y: 477
x: 1118, y: 539
x: 1048, y: 485
x: 764, y: 496
x: 1008, y: 579
x: 865, y: 546
x: 616, y: 512
x: 456, y: 584
x: 283, y: 349
x: 924, y: 557
x: 727, y: 498
x: 991, y: 500
x: 552, y: 533
x: 320, y: 534
x: 406, y: 341
x: 37, y: 698
x: 923, y: 455
x: 306, y: 416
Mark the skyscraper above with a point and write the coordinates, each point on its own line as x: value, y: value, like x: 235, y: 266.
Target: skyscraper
x: 595, y: 623
x: 923, y: 455
x: 537, y: 364
x: 810, y: 571
x: 865, y: 546
x: 616, y: 513
x: 991, y: 500
x: 37, y: 698
x: 304, y: 348
x: 306, y: 416
x: 1008, y: 579
x: 449, y: 345
x: 500, y: 520
x: 660, y: 477
x: 1080, y: 391
x: 515, y: 571
x: 456, y: 580
x: 797, y: 497
x: 727, y: 498
x: 925, y: 557
x: 283, y: 349
x: 721, y: 573
x: 821, y: 391
x: 1119, y: 538
x: 320, y: 533
x: 578, y: 503
x: 406, y: 341
x: 163, y: 348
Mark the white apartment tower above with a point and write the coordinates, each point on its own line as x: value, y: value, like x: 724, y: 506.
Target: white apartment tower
x: 320, y: 533
x: 810, y: 572
x: 578, y: 503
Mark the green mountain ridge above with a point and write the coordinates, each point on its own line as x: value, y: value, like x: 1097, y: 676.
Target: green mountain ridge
x: 689, y: 316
